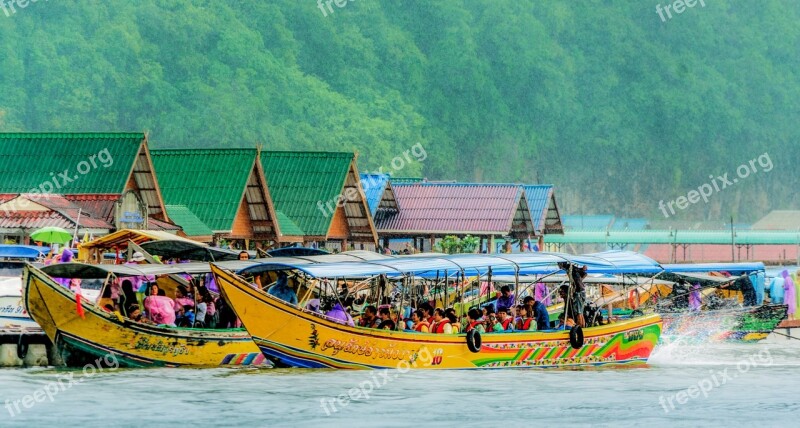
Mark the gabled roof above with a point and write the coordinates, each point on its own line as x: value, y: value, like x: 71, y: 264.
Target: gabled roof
x: 379, y: 193
x: 458, y: 208
x: 543, y: 207
x: 33, y: 211
x: 191, y: 225
x: 779, y: 220
x: 307, y: 188
x: 94, y: 162
x: 212, y: 184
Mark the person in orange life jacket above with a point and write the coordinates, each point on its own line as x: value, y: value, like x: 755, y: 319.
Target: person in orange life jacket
x: 440, y: 323
x: 525, y: 322
x: 386, y: 320
x: 506, y: 321
x: 421, y: 323
x: 475, y: 321
x: 370, y: 318
x: 450, y: 313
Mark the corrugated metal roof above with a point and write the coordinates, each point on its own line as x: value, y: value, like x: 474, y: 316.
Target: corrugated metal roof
x: 460, y: 208
x: 543, y: 207
x: 718, y: 237
x: 379, y: 193
x: 34, y: 160
x: 188, y: 221
x: 156, y: 224
x: 99, y: 206
x: 304, y: 185
x: 210, y: 182
x: 288, y: 227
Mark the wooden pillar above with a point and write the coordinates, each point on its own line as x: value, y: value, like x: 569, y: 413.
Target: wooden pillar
x: 490, y: 248
x: 433, y: 242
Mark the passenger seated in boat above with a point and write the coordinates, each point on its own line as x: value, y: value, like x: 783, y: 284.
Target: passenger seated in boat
x: 369, y: 318
x: 421, y: 323
x: 475, y: 321
x: 525, y: 322
x: 282, y: 290
x: 185, y: 316
x: 160, y: 308
x: 386, y: 320
x: 182, y: 298
x: 341, y: 316
x: 538, y: 311
x: 200, y: 313
x: 137, y: 315
x: 441, y: 324
x: 427, y: 310
x: 562, y: 326
x: 504, y: 299
x: 454, y: 324
x: 492, y: 324
x: 506, y: 320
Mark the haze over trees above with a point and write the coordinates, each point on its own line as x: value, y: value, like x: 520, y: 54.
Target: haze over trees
x: 614, y: 106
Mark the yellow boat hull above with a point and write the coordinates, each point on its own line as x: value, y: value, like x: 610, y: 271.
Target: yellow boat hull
x: 292, y: 337
x: 100, y: 334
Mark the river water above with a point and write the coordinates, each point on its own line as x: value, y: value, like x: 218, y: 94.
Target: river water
x: 713, y: 385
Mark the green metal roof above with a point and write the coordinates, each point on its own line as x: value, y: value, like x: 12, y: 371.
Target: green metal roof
x: 288, y: 227
x: 91, y: 162
x: 209, y: 182
x: 188, y: 221
x: 302, y: 183
x: 721, y: 237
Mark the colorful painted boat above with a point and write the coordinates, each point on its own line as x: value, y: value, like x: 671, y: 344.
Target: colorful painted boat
x: 291, y: 337
x: 748, y: 325
x: 99, y: 333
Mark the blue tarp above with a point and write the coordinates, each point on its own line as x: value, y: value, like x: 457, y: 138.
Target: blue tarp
x: 733, y: 268
x: 31, y: 252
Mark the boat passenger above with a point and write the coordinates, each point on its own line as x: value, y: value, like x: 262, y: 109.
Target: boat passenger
x: 456, y: 326
x: 492, y: 324
x: 200, y: 314
x: 428, y: 311
x: 136, y: 314
x: 789, y: 293
x: 421, y: 323
x: 525, y: 322
x: 282, y: 290
x: 160, y: 308
x: 542, y: 294
x: 506, y: 320
x: 504, y: 299
x: 564, y: 326
x: 185, y: 316
x: 538, y: 310
x: 369, y: 318
x: 212, y: 316
x: 341, y: 316
x: 441, y: 324
x: 128, y: 296
x: 244, y: 255
x: 386, y: 320
x: 475, y: 321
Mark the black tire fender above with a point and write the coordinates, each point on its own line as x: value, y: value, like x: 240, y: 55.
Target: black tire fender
x: 474, y: 341
x: 22, y: 347
x: 576, y: 337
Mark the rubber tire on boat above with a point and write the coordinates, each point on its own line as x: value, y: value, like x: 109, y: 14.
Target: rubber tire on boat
x: 576, y: 337
x: 474, y: 341
x: 637, y: 313
x: 22, y: 347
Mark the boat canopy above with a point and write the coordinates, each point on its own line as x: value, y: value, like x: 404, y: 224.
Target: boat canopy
x: 295, y: 251
x: 733, y: 268
x: 430, y: 266
x: 557, y: 279
x: 184, y: 249
x: 31, y: 252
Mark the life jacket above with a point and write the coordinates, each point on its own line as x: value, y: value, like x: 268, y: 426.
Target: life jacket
x: 506, y: 322
x: 439, y: 327
x: 418, y: 326
x: 473, y: 324
x: 526, y: 324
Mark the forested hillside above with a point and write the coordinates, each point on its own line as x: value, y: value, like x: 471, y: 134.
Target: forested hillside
x: 617, y: 107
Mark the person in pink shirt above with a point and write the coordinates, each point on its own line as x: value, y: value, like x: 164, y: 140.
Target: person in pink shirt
x: 160, y: 308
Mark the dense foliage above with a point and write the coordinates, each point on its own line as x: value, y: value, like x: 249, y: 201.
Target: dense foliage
x: 616, y: 107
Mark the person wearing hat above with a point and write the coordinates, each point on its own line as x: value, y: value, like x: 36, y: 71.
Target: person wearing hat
x: 282, y: 290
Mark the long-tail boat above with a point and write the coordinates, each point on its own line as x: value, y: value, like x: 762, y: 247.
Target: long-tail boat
x: 292, y: 336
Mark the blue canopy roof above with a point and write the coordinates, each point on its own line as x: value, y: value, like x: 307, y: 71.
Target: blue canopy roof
x: 714, y: 267
x: 31, y: 252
